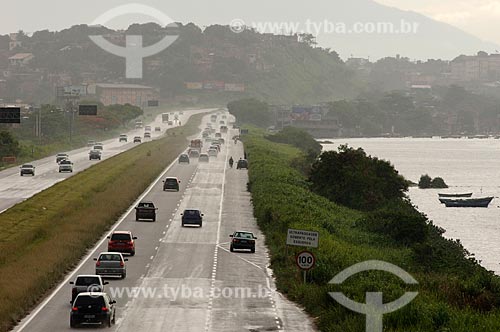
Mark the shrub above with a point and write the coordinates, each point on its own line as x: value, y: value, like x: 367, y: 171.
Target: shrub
x: 425, y: 182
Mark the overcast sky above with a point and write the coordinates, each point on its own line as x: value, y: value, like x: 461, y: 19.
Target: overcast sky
x: 478, y: 17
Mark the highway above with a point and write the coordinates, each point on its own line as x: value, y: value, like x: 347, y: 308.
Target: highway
x: 184, y: 278
x: 15, y: 188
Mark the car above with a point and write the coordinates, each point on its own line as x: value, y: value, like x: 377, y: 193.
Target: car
x: 192, y: 217
x: 123, y: 138
x: 242, y: 163
x: 98, y: 147
x: 27, y: 169
x: 137, y: 139
x: 157, y: 128
x: 193, y: 153
x: 66, y: 165
x: 170, y: 123
x: 147, y: 128
x: 215, y: 146
x: 221, y: 141
x: 218, y: 135
x: 223, y: 129
x: 122, y: 241
x: 222, y: 122
x: 95, y: 154
x: 181, y: 113
x: 205, y: 134
x: 147, y: 134
x: 224, y: 116
x: 111, y: 264
x: 204, y: 158
x: 183, y: 158
x: 242, y: 240
x: 61, y: 156
x: 145, y: 210
x: 90, y: 142
x: 171, y: 183
x: 212, y: 152
x: 92, y: 308
x: 86, y: 283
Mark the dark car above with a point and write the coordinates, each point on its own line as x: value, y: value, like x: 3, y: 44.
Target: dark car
x: 86, y: 283
x: 192, y: 217
x: 171, y: 184
x: 95, y: 154
x: 204, y: 158
x: 92, y: 308
x: 28, y: 169
x: 242, y: 240
x: 242, y: 163
x: 123, y: 138
x: 61, y: 156
x: 193, y: 153
x: 145, y: 210
x: 137, y: 139
x: 183, y: 158
x: 122, y: 241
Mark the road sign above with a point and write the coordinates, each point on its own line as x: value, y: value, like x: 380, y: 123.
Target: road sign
x: 10, y: 115
x: 305, y: 260
x: 301, y: 238
x: 87, y: 110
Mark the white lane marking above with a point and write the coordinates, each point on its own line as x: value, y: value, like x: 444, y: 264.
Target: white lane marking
x: 208, y: 321
x: 151, y: 257
x: 33, y: 314
x: 243, y: 259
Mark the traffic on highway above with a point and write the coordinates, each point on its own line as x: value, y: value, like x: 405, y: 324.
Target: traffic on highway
x: 188, y: 257
x: 19, y: 184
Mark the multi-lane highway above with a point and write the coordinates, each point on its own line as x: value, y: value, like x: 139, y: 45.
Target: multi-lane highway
x: 185, y: 278
x: 14, y: 188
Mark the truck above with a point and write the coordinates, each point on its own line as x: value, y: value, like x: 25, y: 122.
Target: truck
x: 196, y: 144
x: 213, y: 117
x: 164, y: 118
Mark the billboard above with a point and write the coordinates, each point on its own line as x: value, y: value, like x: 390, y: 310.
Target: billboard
x: 90, y: 110
x: 235, y: 87
x: 10, y: 115
x: 153, y: 103
x: 194, y: 85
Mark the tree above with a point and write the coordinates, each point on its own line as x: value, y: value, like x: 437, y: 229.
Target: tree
x: 9, y: 146
x: 251, y: 111
x: 299, y: 138
x: 354, y: 179
x: 425, y: 182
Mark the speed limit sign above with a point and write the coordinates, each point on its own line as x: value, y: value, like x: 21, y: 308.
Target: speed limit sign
x: 305, y: 260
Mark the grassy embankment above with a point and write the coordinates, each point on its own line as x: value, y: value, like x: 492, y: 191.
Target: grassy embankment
x: 42, y: 238
x: 455, y: 293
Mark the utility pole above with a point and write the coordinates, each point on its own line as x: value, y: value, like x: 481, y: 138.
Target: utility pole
x: 71, y: 98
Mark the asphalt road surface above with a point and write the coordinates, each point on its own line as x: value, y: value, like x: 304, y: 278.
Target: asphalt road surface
x: 184, y: 278
x: 15, y: 188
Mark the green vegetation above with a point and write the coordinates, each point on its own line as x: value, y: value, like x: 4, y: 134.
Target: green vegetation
x: 455, y: 292
x: 44, y: 237
x: 351, y: 178
x: 427, y: 182
x: 251, y: 111
x: 9, y: 145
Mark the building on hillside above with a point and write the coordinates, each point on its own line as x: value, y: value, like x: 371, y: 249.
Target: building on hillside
x: 21, y: 59
x: 481, y: 67
x: 133, y: 94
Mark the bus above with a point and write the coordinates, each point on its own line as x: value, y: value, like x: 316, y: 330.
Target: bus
x: 164, y: 117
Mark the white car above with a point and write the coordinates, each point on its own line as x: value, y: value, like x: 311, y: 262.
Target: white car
x: 66, y: 166
x: 213, y: 152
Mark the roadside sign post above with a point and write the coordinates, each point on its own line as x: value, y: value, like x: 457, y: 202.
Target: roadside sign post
x: 305, y: 261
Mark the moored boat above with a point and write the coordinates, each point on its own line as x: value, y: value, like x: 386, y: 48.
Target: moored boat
x: 456, y: 195
x: 467, y: 202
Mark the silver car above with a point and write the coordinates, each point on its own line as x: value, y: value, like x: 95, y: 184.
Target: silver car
x: 66, y: 166
x: 111, y: 264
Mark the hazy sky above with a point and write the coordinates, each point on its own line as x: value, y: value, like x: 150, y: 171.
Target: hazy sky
x: 478, y: 17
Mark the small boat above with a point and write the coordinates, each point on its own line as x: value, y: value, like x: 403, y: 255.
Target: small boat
x: 456, y: 195
x: 467, y: 202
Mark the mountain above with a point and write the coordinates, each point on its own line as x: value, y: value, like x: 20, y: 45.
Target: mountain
x: 432, y: 39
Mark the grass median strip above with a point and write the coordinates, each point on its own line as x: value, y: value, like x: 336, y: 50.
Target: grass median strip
x: 42, y: 238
